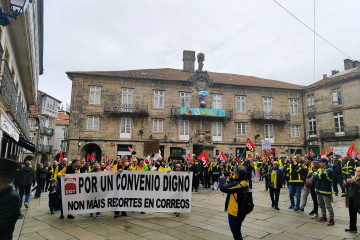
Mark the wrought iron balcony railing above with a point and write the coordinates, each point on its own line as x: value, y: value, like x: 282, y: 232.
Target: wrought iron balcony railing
x: 44, y: 148
x: 270, y: 116
x: 126, y: 109
x: 346, y: 132
x: 9, y: 93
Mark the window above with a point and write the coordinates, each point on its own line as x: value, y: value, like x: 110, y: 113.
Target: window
x: 312, y: 126
x: 339, y: 123
x: 293, y: 107
x: 157, y: 125
x: 269, y: 132
x: 184, y: 99
x: 95, y: 92
x: 93, y: 122
x: 32, y: 122
x: 66, y: 132
x: 158, y: 99
x: 241, y: 128
x: 184, y: 130
x: 217, y: 131
x: 217, y: 101
x: 125, y: 128
x: 336, y: 96
x: 311, y: 100
x: 240, y: 104
x: 295, y: 131
x: 267, y: 105
x: 127, y: 94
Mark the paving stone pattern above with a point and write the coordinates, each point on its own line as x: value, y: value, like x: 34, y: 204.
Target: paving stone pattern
x: 207, y: 220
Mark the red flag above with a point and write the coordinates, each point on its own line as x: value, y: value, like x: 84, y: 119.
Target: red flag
x: 332, y: 148
x: 270, y: 156
x: 311, y: 153
x: 130, y: 150
x: 358, y: 155
x: 222, y: 156
x: 107, y: 159
x: 165, y: 159
x: 250, y: 146
x: 203, y: 157
x: 92, y: 156
x: 351, y: 149
x: 87, y: 157
x: 323, y: 153
x: 61, y: 156
x: 189, y: 157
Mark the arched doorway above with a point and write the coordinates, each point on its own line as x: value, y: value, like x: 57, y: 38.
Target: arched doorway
x: 31, y: 159
x: 44, y: 159
x: 91, y: 148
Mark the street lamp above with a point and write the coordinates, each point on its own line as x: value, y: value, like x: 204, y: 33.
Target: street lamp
x: 16, y: 7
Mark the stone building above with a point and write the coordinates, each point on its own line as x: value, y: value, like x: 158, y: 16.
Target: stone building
x: 195, y: 110
x: 42, y: 120
x: 332, y: 110
x: 21, y: 59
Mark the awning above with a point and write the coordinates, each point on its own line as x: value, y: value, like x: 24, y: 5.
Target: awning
x: 27, y: 145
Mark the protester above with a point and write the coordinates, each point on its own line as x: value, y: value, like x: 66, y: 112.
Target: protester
x: 214, y: 172
x: 177, y: 169
x: 249, y: 165
x: 206, y: 176
x: 338, y: 179
x: 47, y: 180
x: 276, y: 179
x: 353, y: 199
x: 295, y: 183
x: 314, y: 213
x: 323, y: 189
x: 54, y: 195
x: 121, y: 164
x: 50, y: 174
x: 265, y: 173
x: 26, y: 177
x: 9, y: 199
x: 307, y: 174
x: 195, y: 168
x: 41, y: 174
x: 234, y: 191
x: 74, y: 168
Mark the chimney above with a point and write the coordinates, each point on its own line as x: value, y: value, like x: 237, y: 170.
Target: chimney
x: 348, y: 64
x: 356, y: 64
x: 189, y: 61
x: 324, y: 76
x: 333, y: 72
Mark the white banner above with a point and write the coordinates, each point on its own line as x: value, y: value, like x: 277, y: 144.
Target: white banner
x: 126, y: 191
x: 266, y: 145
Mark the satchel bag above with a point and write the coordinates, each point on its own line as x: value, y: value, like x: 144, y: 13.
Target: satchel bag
x: 309, y: 183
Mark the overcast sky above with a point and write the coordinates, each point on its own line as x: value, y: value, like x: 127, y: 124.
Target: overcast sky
x: 247, y: 37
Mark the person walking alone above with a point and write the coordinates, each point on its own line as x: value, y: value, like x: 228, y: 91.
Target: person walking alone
x: 353, y: 199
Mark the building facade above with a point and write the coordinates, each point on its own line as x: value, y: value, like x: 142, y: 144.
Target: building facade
x: 195, y: 110
x: 21, y: 53
x: 42, y: 119
x: 332, y: 110
x: 61, y: 136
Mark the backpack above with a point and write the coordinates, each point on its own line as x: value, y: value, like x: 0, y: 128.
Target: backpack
x: 246, y: 205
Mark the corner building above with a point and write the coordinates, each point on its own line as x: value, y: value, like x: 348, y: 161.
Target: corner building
x: 115, y: 109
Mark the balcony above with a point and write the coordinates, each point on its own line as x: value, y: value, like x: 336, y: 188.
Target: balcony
x: 46, y: 131
x: 44, y: 148
x: 262, y: 116
x: 9, y: 94
x: 350, y: 133
x: 126, y: 109
x: 201, y: 113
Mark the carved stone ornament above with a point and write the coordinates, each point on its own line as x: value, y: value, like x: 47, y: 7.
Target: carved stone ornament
x: 201, y: 80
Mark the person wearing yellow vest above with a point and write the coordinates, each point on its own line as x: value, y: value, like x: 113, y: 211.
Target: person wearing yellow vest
x: 307, y: 170
x: 295, y: 182
x: 276, y: 179
x: 323, y: 189
x: 141, y: 165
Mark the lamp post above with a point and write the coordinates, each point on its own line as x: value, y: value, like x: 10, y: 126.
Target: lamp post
x: 16, y: 7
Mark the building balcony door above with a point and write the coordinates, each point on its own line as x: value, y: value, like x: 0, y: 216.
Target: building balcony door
x: 197, y: 149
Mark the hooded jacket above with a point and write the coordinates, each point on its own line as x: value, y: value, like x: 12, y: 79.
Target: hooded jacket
x: 25, y: 177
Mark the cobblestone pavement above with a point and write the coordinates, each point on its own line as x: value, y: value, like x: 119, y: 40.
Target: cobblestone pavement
x: 207, y: 220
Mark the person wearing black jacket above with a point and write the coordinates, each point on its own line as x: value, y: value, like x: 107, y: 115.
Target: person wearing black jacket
x: 337, y: 178
x: 9, y: 199
x: 24, y: 179
x: 195, y: 168
x: 41, y: 174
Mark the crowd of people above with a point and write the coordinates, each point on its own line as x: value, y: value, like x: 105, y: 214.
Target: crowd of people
x: 318, y: 177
